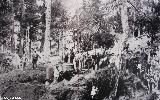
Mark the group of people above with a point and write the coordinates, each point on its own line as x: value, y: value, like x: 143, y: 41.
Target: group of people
x: 79, y: 60
x: 82, y: 60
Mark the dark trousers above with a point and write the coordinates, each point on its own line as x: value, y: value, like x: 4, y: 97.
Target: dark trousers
x: 66, y: 59
x: 71, y: 59
x: 34, y: 63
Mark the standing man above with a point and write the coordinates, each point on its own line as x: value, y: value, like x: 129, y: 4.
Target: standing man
x: 75, y: 64
x: 34, y: 59
x: 97, y: 61
x: 66, y: 58
x: 72, y: 56
x: 93, y: 62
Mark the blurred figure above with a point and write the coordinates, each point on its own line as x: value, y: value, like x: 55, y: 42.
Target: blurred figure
x: 94, y: 91
x: 35, y: 57
x: 80, y: 59
x: 83, y: 61
x: 92, y: 62
x: 66, y: 58
x: 88, y: 62
x: 97, y: 60
x: 72, y: 55
x: 76, y: 62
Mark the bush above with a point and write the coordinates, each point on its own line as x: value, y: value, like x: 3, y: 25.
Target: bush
x: 6, y: 63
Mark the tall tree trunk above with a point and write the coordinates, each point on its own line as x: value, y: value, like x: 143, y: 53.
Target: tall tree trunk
x: 27, y: 48
x: 123, y: 39
x: 30, y: 46
x: 47, y: 37
x: 22, y: 31
x: 125, y: 26
x: 59, y: 45
x: 47, y: 32
x: 42, y: 43
x: 12, y: 30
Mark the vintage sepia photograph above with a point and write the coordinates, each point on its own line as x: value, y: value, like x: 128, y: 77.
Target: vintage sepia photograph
x: 79, y: 49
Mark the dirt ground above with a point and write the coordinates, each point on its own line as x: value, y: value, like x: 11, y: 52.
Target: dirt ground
x: 28, y: 85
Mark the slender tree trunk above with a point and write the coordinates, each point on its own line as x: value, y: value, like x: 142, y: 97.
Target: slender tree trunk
x: 30, y: 49
x: 123, y: 39
x: 22, y: 31
x: 60, y: 45
x: 42, y: 43
x: 27, y: 49
x: 12, y: 31
x: 47, y: 32
x: 21, y: 46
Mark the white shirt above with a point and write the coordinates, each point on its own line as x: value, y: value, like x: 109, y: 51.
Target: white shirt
x: 56, y: 72
x: 94, y: 90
